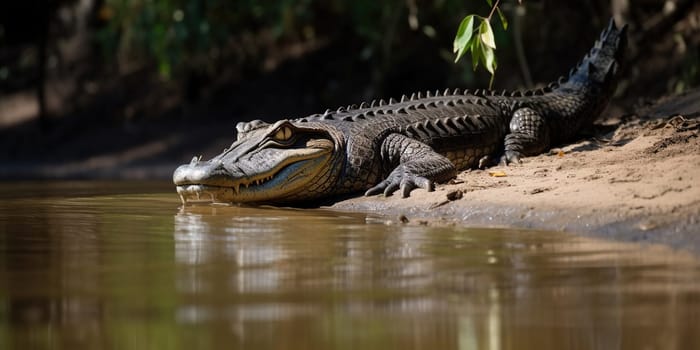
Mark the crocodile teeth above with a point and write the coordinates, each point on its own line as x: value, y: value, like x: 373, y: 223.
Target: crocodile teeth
x: 236, y: 188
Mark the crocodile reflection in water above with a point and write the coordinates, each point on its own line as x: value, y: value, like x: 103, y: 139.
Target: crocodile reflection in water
x: 280, y: 271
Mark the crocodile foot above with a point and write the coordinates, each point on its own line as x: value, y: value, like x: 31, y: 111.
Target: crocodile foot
x: 511, y: 157
x: 405, y: 181
x: 485, y: 162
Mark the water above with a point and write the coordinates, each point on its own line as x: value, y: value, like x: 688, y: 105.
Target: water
x: 122, y: 266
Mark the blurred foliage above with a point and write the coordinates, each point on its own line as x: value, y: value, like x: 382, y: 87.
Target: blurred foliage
x: 110, y: 57
x: 176, y: 33
x: 689, y: 75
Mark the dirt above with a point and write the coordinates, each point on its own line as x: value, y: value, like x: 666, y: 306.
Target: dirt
x: 639, y: 182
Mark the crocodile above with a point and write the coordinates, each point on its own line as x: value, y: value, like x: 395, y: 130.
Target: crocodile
x: 400, y: 145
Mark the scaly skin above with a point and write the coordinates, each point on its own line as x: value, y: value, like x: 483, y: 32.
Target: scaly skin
x: 402, y: 145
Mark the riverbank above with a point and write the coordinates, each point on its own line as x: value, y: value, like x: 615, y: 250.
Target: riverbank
x: 636, y: 179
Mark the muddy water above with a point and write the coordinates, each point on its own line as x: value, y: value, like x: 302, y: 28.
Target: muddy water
x: 122, y: 266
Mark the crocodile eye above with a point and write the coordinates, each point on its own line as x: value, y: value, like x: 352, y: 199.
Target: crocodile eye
x: 283, y: 134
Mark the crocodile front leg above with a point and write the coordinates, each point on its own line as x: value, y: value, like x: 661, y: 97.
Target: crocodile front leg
x: 529, y: 136
x: 418, y: 165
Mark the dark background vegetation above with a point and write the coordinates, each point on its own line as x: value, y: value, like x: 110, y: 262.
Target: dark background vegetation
x: 129, y: 88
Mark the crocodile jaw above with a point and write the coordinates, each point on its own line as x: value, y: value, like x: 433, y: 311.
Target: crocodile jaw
x: 243, y: 181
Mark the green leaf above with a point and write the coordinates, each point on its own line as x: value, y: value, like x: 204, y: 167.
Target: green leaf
x: 504, y: 21
x: 488, y: 59
x: 486, y: 34
x: 460, y: 53
x: 476, y: 53
x: 490, y: 2
x: 464, y: 35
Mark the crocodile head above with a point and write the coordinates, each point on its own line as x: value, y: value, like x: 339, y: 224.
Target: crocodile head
x: 281, y: 162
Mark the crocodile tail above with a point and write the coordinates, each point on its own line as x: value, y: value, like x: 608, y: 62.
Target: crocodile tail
x: 602, y: 63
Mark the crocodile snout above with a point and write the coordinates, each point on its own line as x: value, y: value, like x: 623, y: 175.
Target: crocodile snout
x: 197, y: 172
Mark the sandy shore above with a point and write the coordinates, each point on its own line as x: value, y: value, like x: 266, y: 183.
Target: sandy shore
x: 638, y: 179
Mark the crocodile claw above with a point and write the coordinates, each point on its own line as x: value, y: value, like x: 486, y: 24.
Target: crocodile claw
x: 511, y: 157
x: 485, y: 161
x: 406, y: 182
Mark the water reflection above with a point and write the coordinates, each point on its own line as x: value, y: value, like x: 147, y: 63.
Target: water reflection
x: 473, y: 289
x: 133, y: 271
x: 271, y: 250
